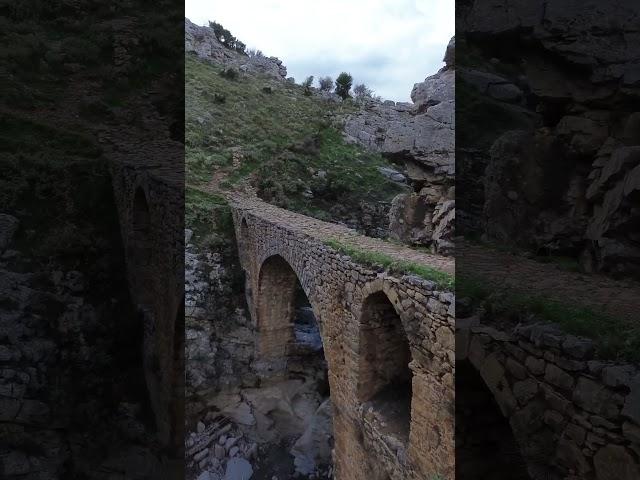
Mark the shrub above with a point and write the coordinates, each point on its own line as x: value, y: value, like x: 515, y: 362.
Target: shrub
x: 343, y: 85
x: 307, y: 85
x: 225, y: 38
x: 229, y: 73
x: 361, y: 91
x: 326, y: 83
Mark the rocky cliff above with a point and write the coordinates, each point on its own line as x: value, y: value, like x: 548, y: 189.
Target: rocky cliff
x: 202, y: 42
x: 420, y: 136
x: 556, y: 166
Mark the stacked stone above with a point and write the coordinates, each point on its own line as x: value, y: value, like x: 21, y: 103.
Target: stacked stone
x: 156, y: 274
x: 218, y: 449
x: 573, y: 416
x: 337, y: 288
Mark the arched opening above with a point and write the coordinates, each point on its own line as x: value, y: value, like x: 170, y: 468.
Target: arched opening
x: 289, y: 337
x: 141, y: 229
x: 485, y: 446
x: 384, y: 373
x: 243, y: 240
x: 177, y: 394
x: 244, y: 229
x: 276, y: 308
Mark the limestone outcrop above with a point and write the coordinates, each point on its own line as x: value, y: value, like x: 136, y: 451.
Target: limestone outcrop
x: 202, y: 42
x: 421, y: 137
x: 559, y: 144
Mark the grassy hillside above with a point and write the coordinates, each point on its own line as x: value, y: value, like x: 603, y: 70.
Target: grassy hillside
x: 257, y: 131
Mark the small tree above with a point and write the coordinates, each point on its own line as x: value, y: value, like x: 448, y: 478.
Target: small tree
x: 307, y: 85
x: 252, y: 52
x: 240, y: 47
x: 225, y: 38
x: 343, y: 85
x: 326, y: 83
x: 361, y: 91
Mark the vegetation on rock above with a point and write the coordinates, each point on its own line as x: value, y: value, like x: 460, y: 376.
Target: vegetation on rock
x: 613, y: 337
x: 378, y: 259
x: 361, y: 91
x: 225, y: 38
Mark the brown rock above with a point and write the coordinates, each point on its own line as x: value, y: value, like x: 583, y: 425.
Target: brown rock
x: 558, y: 377
x: 614, y: 462
x: 595, y: 398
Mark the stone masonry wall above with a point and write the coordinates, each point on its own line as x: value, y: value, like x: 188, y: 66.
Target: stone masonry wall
x: 574, y: 417
x: 155, y: 271
x: 337, y: 288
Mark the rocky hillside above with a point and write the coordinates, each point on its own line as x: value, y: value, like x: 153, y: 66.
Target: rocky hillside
x: 248, y: 129
x: 419, y: 136
x: 203, y: 42
x: 555, y: 168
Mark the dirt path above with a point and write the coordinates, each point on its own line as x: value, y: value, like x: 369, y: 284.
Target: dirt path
x: 324, y: 231
x: 502, y: 270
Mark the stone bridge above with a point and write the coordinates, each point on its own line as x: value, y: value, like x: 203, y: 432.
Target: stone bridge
x: 571, y: 415
x: 572, y: 411
x: 150, y: 202
x: 388, y: 339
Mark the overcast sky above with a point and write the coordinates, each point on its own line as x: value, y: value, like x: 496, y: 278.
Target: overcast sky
x: 387, y: 44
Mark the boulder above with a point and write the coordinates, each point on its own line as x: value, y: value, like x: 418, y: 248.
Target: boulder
x: 238, y: 469
x: 615, y: 462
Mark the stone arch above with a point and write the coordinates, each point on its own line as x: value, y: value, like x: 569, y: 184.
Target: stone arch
x: 176, y: 409
x: 527, y: 457
x: 243, y: 238
x: 384, y: 375
x: 276, y: 297
x: 141, y: 227
x: 141, y: 247
x: 244, y: 229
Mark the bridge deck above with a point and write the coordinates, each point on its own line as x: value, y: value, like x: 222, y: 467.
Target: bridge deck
x: 504, y: 271
x: 324, y: 231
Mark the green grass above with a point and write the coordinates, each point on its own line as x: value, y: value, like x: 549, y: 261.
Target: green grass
x: 442, y: 279
x: 614, y: 338
x: 284, y: 143
x: 208, y: 216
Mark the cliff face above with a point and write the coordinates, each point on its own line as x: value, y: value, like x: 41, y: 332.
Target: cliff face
x: 569, y: 84
x: 203, y: 42
x: 421, y: 137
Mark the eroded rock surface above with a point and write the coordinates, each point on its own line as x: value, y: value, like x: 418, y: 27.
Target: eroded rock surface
x: 558, y: 104
x: 420, y: 136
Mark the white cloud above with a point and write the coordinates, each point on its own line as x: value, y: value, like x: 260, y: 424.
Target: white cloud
x: 388, y: 44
